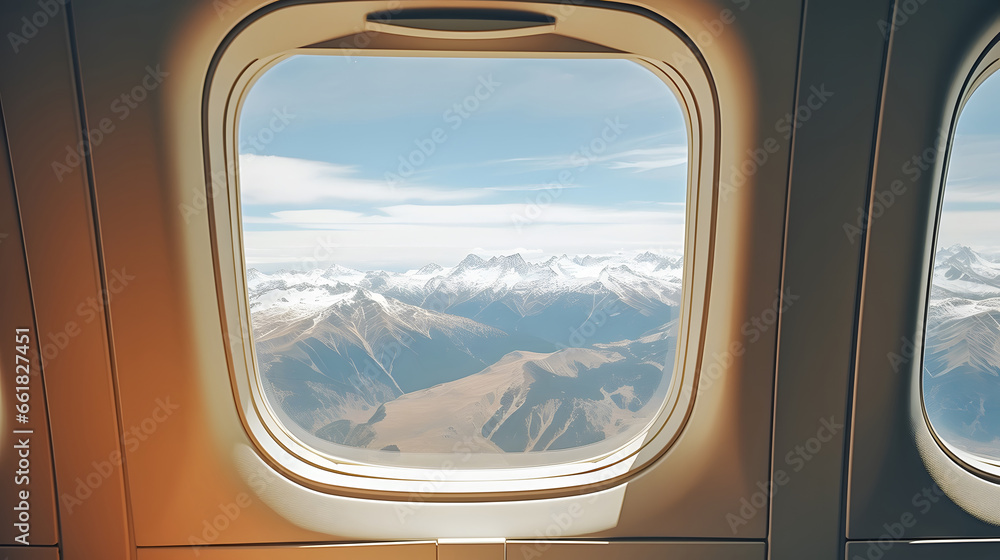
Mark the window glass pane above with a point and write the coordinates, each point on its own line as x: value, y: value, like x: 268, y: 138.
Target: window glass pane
x: 462, y: 255
x: 961, y: 377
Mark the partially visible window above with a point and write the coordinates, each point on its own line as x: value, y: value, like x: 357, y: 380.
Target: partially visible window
x: 961, y: 376
x: 463, y: 255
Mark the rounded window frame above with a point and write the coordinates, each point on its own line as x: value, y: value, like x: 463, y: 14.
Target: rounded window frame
x: 987, y: 65
x: 234, y: 70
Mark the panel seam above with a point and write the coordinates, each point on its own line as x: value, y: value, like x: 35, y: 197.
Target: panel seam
x: 850, y: 408
x: 87, y: 157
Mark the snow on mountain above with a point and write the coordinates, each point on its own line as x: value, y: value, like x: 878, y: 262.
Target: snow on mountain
x: 964, y: 342
x: 363, y: 349
x: 384, y: 359
x: 965, y: 285
x: 943, y: 309
x: 640, y: 291
x: 474, y: 274
x: 643, y: 279
x: 254, y: 277
x: 961, y: 380
x: 962, y: 318
x: 343, y: 274
x: 429, y: 269
x: 961, y: 376
x: 960, y: 271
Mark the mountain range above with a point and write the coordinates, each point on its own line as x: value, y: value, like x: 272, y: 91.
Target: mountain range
x: 507, y: 355
x: 961, y: 375
x: 502, y: 354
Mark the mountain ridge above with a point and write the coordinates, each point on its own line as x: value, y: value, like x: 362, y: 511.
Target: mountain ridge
x: 356, y: 357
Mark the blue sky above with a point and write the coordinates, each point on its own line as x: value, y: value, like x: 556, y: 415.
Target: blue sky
x: 393, y: 163
x: 972, y: 190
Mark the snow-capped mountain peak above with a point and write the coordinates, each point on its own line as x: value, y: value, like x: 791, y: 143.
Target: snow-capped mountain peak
x: 648, y: 280
x: 429, y: 269
x: 511, y: 262
x: 471, y: 261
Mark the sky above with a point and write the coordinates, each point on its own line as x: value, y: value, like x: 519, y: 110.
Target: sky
x: 380, y: 163
x: 971, y: 213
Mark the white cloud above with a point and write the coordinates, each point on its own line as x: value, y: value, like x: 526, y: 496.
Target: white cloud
x: 973, y: 175
x: 977, y: 229
x: 283, y: 180
x: 972, y: 191
x: 649, y: 159
x: 402, y: 247
x: 523, y: 251
x: 409, y: 236
x: 515, y: 216
x: 639, y: 159
x: 529, y: 188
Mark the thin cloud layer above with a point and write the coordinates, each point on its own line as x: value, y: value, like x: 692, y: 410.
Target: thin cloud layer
x: 558, y: 156
x: 293, y: 181
x: 500, y: 216
x: 404, y: 247
x: 648, y: 159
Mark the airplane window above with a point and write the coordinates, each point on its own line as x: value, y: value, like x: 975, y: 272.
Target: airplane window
x: 463, y: 255
x: 961, y: 375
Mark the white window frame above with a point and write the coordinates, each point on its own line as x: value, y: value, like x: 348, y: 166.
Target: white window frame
x: 984, y: 468
x: 592, y: 32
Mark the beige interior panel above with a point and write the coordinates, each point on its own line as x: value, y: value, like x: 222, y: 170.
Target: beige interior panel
x: 197, y: 466
x: 636, y: 550
x: 360, y: 551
